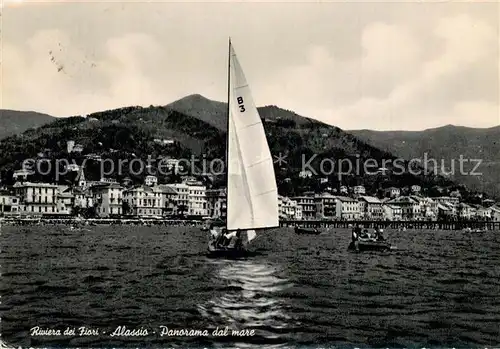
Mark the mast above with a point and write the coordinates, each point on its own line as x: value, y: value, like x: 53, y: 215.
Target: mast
x: 227, y: 122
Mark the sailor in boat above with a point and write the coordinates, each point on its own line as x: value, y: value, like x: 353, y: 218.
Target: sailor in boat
x: 364, y: 235
x: 355, y: 237
x: 214, y: 234
x: 356, y: 232
x: 379, y: 236
x: 220, y: 238
x: 225, y: 240
x: 237, y: 241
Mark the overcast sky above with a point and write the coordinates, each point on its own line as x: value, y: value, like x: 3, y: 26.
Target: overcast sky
x: 383, y: 66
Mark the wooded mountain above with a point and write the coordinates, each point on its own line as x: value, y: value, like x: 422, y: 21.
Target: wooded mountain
x: 197, y: 126
x: 14, y: 122
x: 446, y: 144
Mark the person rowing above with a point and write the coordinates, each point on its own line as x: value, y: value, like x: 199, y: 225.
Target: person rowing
x: 364, y: 235
x: 238, y: 243
x: 379, y: 235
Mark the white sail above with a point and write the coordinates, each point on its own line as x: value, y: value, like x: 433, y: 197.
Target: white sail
x: 252, y: 195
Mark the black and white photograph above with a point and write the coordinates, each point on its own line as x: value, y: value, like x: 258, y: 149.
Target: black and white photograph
x: 249, y: 174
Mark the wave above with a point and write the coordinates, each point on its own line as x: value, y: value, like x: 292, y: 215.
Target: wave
x: 249, y: 299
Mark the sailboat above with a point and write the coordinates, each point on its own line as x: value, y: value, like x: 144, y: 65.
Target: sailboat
x: 252, y: 193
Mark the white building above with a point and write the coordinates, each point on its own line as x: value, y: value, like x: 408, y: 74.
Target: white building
x: 151, y: 181
x: 22, y: 175
x: 410, y: 207
x: 392, y: 212
x: 483, y: 213
x: 447, y: 199
x: 216, y: 203
x: 326, y: 206
x: 359, y: 190
x: 36, y: 198
x: 182, y: 197
x: 430, y: 210
x: 347, y: 208
x: 447, y: 210
x: 495, y: 213
x: 298, y: 211
x: 370, y: 208
x: 307, y: 206
x: 9, y: 203
x: 305, y: 174
x: 143, y: 201
x: 168, y: 199
x: 392, y: 192
x: 288, y: 208
x: 197, y: 198
x: 415, y: 189
x: 465, y: 211
x: 108, y: 199
x: 192, y: 193
x: 82, y: 198
x: 65, y: 202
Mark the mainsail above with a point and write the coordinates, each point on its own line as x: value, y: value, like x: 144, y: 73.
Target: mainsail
x: 252, y: 194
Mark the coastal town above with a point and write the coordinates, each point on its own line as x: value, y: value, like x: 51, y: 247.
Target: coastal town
x: 191, y: 199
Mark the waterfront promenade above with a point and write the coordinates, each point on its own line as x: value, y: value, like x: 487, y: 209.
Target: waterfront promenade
x: 441, y: 225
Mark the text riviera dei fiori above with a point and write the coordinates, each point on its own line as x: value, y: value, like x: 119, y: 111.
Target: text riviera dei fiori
x: 123, y: 331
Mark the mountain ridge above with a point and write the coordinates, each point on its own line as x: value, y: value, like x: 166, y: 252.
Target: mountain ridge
x: 198, y: 125
x: 213, y: 112
x: 15, y: 121
x: 448, y: 144
x: 445, y: 127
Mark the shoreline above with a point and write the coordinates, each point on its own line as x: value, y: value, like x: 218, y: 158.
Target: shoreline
x: 418, y: 225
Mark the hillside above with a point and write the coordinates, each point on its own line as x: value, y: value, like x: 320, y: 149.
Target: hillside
x: 122, y: 134
x: 195, y: 125
x: 301, y: 138
x: 15, y: 122
x: 448, y: 143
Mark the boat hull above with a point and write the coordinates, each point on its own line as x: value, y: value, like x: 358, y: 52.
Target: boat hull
x: 360, y: 246
x: 226, y: 252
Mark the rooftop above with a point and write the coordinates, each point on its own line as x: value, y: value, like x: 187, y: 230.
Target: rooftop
x: 345, y: 199
x: 166, y: 189
x: 371, y: 199
x: 107, y: 186
x: 36, y: 185
x: 403, y: 200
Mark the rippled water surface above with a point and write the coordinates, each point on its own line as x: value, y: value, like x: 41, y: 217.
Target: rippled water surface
x: 440, y: 288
